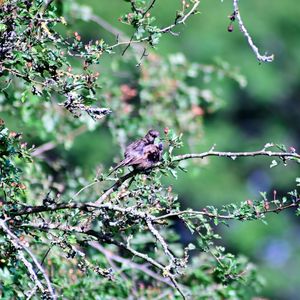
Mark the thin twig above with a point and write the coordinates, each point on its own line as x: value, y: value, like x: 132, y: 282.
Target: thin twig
x: 261, y: 58
x: 46, y: 5
x: 183, y: 19
x: 134, y: 8
x: 229, y: 216
x: 18, y: 245
x: 33, y: 291
x: 130, y: 263
x: 86, y: 187
x: 162, y: 30
x: 122, y: 37
x: 149, y: 7
x: 24, y: 76
x: 115, y: 186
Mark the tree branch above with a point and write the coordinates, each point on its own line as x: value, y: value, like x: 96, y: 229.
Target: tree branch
x: 261, y: 58
x: 130, y: 263
x: 161, y: 240
x: 149, y: 7
x: 183, y: 19
x: 162, y: 30
x: 18, y: 245
x: 234, y: 155
x: 115, y: 186
x: 233, y: 216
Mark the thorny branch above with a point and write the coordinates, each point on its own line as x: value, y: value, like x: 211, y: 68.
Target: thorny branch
x: 261, y: 58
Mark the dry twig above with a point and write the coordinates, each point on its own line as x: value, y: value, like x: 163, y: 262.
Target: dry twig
x: 261, y: 58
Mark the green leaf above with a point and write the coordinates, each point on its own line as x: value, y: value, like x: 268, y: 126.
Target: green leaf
x: 273, y: 164
x: 2, y: 27
x: 173, y: 172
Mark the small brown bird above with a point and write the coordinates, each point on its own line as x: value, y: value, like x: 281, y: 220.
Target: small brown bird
x: 151, y: 155
x: 143, y: 153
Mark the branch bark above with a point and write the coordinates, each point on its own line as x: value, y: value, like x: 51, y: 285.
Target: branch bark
x: 261, y: 58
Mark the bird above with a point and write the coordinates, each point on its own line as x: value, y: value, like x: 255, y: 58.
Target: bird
x: 142, y: 153
x: 152, y: 154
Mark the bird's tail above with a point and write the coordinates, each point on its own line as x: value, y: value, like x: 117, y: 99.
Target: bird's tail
x: 123, y: 163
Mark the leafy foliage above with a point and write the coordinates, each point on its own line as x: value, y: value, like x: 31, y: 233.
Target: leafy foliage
x: 45, y: 65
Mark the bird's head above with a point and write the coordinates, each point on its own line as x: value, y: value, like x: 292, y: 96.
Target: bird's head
x: 151, y: 135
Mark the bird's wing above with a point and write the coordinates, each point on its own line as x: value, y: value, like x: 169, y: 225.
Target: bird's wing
x: 135, y: 148
x: 136, y: 161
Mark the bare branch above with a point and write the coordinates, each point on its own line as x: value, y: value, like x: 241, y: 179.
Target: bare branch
x: 149, y: 8
x: 234, y: 155
x: 44, y: 148
x: 261, y: 58
x: 162, y: 242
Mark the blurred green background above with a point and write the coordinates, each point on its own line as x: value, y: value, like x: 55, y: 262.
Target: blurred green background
x: 266, y: 110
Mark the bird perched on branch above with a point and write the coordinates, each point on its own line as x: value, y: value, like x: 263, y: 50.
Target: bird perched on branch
x: 143, y: 153
x: 152, y: 154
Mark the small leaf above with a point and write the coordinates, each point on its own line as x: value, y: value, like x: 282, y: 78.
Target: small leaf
x: 191, y: 246
x: 173, y: 172
x: 2, y: 27
x: 273, y: 164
